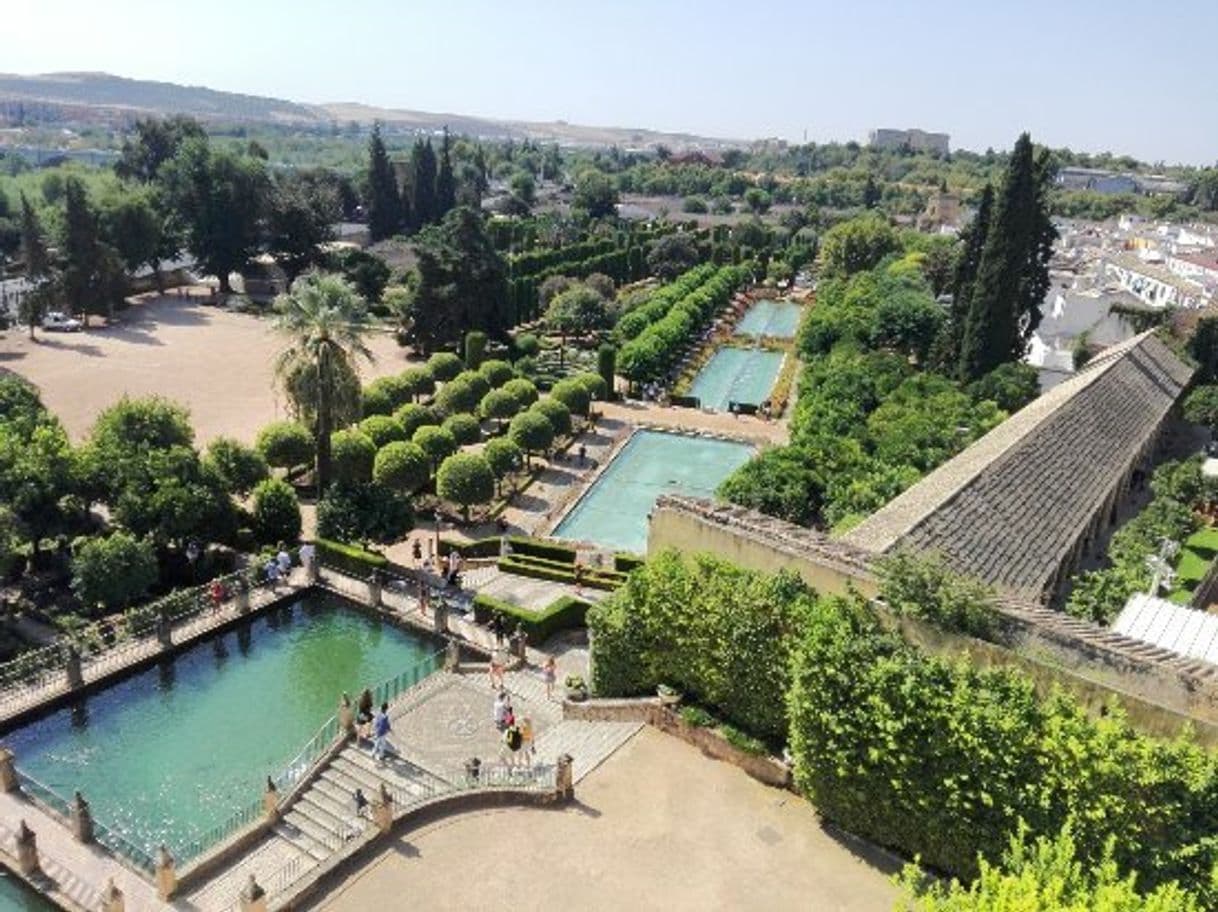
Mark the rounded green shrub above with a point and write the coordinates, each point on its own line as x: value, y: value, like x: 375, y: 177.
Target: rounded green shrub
x: 465, y: 479
x: 352, y: 454
x: 444, y: 366
x: 276, y: 512
x: 382, y: 429
x: 401, y: 465
x: 464, y: 428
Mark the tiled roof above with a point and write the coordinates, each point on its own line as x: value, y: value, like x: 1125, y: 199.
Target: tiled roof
x: 1011, y: 507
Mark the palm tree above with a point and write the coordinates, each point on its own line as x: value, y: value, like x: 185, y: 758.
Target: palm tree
x: 325, y: 322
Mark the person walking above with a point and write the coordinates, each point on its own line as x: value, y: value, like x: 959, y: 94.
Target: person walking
x: 526, y: 740
x: 363, y: 717
x: 499, y: 710
x: 380, y: 733
x: 498, y: 665
x: 284, y: 559
x: 549, y: 674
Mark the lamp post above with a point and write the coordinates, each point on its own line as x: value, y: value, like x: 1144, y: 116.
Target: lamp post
x: 438, y: 519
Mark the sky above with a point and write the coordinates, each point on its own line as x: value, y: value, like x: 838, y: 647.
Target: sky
x: 1122, y: 76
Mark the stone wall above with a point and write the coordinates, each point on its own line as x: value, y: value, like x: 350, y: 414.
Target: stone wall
x: 1162, y: 691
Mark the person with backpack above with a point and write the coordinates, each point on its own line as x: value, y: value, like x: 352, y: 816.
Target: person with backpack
x: 380, y: 733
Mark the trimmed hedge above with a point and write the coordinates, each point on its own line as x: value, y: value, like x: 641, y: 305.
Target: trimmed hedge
x: 558, y: 572
x: 532, y: 547
x: 350, y: 558
x: 564, y: 613
x: 625, y: 563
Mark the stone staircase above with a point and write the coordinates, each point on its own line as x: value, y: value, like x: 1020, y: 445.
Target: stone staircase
x: 323, y: 817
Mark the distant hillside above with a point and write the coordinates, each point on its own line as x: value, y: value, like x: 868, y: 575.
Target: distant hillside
x: 101, y: 90
x: 106, y: 98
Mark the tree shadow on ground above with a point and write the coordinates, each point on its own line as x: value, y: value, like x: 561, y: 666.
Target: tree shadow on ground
x: 869, y: 853
x: 87, y: 349
x: 11, y: 355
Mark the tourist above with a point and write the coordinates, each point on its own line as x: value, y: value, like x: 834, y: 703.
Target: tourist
x: 361, y: 803
x: 583, y: 454
x: 495, y: 626
x: 526, y: 740
x: 416, y: 549
x: 272, y: 572
x: 454, y: 568
x: 308, y: 557
x: 217, y: 592
x: 498, y: 665
x: 363, y: 717
x: 499, y: 709
x: 512, y: 740
x: 285, y: 561
x: 549, y: 674
x: 380, y: 733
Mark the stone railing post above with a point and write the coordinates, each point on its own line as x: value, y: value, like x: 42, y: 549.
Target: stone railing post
x: 241, y: 598
x: 81, y: 818
x: 519, y: 643
x: 439, y: 616
x: 382, y: 810
x: 346, y: 716
x: 27, y: 850
x: 270, y: 801
x: 112, y: 898
x: 166, y: 875
x: 564, y: 779
x: 71, y: 668
x: 8, y: 772
x: 253, y: 897
x: 164, y: 632
x: 374, y: 589
x: 452, y: 656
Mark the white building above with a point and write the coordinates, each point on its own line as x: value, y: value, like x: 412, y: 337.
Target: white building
x: 914, y: 139
x: 1153, y: 284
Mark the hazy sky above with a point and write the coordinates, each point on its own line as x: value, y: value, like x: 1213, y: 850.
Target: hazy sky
x: 1124, y: 76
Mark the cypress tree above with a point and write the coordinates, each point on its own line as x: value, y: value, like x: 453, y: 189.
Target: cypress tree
x: 446, y: 186
x: 972, y: 240
x: 1013, y: 272
x: 384, y: 203
x: 423, y: 182
x: 33, y: 244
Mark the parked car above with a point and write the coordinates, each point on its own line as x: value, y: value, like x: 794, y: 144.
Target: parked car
x: 55, y: 321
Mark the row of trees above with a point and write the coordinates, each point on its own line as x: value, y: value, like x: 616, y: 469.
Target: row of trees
x: 428, y: 193
x: 933, y: 758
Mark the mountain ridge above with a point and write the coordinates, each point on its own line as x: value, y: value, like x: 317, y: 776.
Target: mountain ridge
x: 116, y: 98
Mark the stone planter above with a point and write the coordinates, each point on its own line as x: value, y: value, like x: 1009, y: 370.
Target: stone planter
x: 577, y: 693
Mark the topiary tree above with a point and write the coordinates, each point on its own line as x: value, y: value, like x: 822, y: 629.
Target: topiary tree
x: 466, y: 479
x: 276, y: 511
x: 419, y: 380
x: 285, y: 444
x: 475, y: 380
x: 413, y: 416
x: 527, y: 345
x: 556, y: 413
x: 444, y: 366
x: 111, y: 572
x: 593, y: 384
x: 532, y: 432
x: 402, y: 466
x: 475, y: 348
x: 573, y: 394
x: 500, y: 405
x: 436, y: 442
x: 496, y: 372
x: 504, y: 457
x: 382, y: 429
x: 391, y: 391
x: 457, y: 396
x: 522, y: 390
x: 239, y: 467
x: 352, y: 454
x: 464, y: 428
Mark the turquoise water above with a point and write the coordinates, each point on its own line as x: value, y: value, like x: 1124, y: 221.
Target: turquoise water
x: 17, y: 897
x: 614, y: 510
x: 170, y: 753
x: 736, y: 375
x: 779, y: 319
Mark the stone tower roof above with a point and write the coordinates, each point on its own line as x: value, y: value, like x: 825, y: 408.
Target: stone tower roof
x: 1011, y: 507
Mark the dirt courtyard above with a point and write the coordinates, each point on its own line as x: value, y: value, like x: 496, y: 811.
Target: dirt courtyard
x: 217, y: 363
x: 657, y: 826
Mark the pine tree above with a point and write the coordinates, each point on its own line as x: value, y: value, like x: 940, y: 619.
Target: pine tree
x: 423, y: 182
x: 1013, y: 272
x: 384, y: 203
x: 446, y: 185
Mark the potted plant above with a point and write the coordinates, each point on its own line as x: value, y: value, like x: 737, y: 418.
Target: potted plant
x: 669, y: 696
x: 577, y: 688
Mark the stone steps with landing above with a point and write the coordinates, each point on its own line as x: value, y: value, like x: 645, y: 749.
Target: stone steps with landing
x: 588, y: 743
x: 264, y: 862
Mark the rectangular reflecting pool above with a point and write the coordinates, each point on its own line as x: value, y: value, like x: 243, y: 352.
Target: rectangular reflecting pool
x: 17, y: 897
x: 779, y: 319
x: 613, y: 512
x: 737, y: 375
x: 170, y: 753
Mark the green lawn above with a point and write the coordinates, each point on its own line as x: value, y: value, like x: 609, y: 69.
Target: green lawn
x: 1196, y: 555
